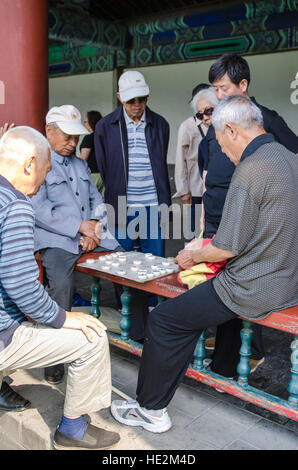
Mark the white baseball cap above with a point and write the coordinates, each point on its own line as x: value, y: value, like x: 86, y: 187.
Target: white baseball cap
x: 68, y: 118
x: 132, y: 84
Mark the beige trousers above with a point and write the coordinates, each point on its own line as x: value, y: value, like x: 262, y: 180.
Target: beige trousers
x: 89, y: 373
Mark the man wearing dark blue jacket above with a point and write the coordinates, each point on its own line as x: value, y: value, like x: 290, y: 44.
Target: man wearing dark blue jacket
x: 131, y: 147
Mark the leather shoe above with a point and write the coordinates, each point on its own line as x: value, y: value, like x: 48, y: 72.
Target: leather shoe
x: 11, y: 400
x: 54, y: 374
x: 94, y: 439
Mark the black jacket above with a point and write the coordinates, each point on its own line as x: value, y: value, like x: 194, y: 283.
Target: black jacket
x: 111, y: 150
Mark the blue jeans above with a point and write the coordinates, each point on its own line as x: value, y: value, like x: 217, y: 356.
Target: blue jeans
x: 143, y: 226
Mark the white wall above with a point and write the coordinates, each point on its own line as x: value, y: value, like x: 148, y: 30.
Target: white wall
x: 171, y: 85
x: 271, y: 76
x: 87, y: 92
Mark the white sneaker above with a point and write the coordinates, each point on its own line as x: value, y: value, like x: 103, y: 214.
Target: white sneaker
x: 132, y: 414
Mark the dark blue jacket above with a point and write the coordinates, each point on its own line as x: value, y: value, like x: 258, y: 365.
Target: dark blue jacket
x: 111, y: 150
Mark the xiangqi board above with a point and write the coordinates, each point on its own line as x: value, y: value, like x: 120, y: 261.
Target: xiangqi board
x: 133, y: 265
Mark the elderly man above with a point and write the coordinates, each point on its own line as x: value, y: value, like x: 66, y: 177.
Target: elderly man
x: 258, y: 233
x: 67, y: 209
x: 131, y: 147
x: 131, y: 150
x: 55, y: 334
x: 230, y: 75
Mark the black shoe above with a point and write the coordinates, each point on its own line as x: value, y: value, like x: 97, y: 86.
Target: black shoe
x: 54, y: 374
x: 11, y: 400
x: 94, y: 439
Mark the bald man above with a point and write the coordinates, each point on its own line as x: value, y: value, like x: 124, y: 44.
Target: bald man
x: 55, y: 335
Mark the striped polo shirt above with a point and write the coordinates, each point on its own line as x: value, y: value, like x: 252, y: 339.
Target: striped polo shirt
x: 141, y: 189
x: 21, y: 294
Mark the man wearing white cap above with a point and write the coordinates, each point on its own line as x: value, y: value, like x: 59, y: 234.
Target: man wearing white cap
x: 131, y: 147
x: 131, y: 150
x: 68, y: 208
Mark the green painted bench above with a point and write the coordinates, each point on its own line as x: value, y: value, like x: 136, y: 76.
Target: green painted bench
x: 168, y: 287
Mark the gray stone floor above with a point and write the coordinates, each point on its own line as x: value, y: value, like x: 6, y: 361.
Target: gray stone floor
x: 202, y: 418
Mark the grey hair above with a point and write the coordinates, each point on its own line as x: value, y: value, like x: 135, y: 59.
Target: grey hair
x: 22, y: 142
x: 207, y: 94
x: 239, y: 110
x: 54, y: 125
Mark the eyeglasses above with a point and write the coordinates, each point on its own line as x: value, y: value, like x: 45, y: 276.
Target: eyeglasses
x: 207, y: 112
x: 141, y: 99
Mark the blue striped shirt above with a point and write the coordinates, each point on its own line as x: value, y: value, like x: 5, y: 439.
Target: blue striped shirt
x: 141, y: 189
x: 21, y: 294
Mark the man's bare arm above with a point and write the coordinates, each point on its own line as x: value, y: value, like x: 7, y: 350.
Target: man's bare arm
x: 211, y: 254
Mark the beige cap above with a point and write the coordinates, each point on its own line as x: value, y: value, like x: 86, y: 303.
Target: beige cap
x: 68, y: 118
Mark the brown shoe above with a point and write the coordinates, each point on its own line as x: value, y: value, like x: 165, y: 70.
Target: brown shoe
x: 210, y: 343
x: 254, y: 363
x: 94, y: 439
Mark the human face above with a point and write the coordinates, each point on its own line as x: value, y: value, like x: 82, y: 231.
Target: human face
x: 225, y: 87
x: 61, y: 143
x: 34, y: 174
x: 87, y: 125
x: 136, y: 109
x: 229, y: 143
x: 202, y: 106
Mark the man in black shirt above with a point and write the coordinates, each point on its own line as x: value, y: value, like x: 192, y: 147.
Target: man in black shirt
x: 230, y: 75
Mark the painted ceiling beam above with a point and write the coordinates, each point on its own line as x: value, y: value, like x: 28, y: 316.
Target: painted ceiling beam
x: 67, y: 25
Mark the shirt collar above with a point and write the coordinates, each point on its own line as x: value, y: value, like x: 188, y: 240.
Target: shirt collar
x: 60, y: 159
x: 128, y: 120
x: 256, y: 143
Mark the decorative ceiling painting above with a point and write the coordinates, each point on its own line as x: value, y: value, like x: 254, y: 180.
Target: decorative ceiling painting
x: 94, y: 36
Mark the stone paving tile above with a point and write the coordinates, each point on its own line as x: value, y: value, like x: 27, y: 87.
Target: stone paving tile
x: 193, y: 403
x: 124, y: 372
x: 220, y: 426
x: 269, y: 436
x: 240, y: 445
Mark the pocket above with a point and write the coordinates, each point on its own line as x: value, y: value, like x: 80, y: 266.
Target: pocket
x: 53, y: 179
x: 56, y: 187
x: 85, y: 178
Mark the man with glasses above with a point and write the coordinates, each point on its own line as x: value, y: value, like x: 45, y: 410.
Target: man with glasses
x: 131, y: 150
x: 189, y: 184
x: 131, y: 147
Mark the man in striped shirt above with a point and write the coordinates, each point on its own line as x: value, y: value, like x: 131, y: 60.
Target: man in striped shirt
x: 53, y: 335
x: 131, y: 145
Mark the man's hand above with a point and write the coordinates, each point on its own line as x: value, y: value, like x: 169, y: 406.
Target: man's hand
x: 186, y: 198
x: 5, y: 128
x: 82, y: 321
x: 184, y: 259
x: 87, y: 228
x: 88, y: 244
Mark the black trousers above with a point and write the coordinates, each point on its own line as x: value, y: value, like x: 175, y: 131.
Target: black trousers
x: 173, y: 329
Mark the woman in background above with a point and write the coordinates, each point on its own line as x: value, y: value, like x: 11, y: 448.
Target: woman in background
x: 188, y: 180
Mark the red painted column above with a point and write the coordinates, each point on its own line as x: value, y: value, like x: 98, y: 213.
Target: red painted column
x: 24, y: 62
